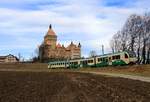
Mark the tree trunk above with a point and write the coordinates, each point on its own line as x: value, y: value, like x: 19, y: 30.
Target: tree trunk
x: 143, y: 51
x: 138, y: 53
x: 148, y: 56
x: 132, y: 43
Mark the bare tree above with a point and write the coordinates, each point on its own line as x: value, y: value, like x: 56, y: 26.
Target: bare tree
x: 134, y: 36
x: 116, y: 42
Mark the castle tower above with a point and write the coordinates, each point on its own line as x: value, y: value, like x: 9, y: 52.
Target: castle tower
x: 49, y: 50
x: 50, y: 38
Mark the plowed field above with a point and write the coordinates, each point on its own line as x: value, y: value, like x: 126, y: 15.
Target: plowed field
x: 70, y: 87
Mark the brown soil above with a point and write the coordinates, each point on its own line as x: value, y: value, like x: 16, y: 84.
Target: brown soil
x: 69, y: 87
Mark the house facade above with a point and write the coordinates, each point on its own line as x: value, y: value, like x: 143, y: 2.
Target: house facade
x: 9, y: 59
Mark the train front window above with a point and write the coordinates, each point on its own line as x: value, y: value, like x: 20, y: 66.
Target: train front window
x: 131, y: 54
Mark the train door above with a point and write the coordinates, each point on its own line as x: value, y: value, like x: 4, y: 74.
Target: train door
x: 110, y: 60
x: 84, y: 63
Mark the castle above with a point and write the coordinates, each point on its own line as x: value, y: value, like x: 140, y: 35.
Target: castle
x: 50, y: 50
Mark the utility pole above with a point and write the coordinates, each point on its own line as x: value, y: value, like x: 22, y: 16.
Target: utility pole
x: 102, y: 49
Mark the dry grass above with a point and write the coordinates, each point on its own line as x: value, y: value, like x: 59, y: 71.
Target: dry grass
x: 141, y: 70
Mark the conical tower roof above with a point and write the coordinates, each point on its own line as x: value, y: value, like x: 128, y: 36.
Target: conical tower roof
x: 50, y: 31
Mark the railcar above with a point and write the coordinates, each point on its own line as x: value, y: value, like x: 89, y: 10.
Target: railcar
x: 120, y: 58
x: 58, y: 64
x: 114, y: 59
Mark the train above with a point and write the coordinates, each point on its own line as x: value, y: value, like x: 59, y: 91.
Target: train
x: 111, y: 59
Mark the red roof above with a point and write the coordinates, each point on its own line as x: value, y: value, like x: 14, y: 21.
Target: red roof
x: 58, y: 45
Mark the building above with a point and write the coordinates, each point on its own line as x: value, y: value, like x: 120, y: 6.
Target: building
x: 51, y: 50
x: 9, y: 59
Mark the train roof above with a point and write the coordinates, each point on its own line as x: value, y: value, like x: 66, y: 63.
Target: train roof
x: 57, y: 61
x: 112, y: 53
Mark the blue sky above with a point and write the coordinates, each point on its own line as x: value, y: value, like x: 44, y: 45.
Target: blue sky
x: 23, y: 23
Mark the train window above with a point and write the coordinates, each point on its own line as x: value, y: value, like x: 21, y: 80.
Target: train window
x: 103, y: 59
x: 113, y: 57
x: 106, y: 60
x: 109, y: 58
x: 90, y: 61
x: 116, y: 57
x: 126, y: 56
x: 75, y: 63
x: 99, y: 59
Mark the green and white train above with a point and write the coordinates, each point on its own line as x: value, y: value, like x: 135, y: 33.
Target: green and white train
x: 113, y: 59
